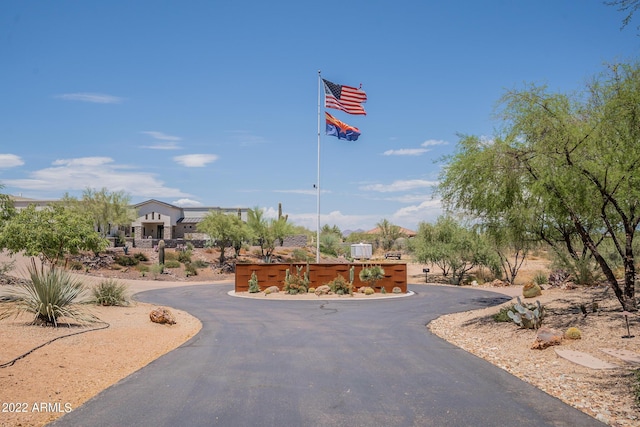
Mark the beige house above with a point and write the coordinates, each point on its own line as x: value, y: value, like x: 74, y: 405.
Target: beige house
x: 156, y: 219
x: 160, y: 220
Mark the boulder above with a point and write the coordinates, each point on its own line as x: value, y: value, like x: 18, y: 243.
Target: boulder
x: 531, y: 290
x: 547, y: 337
x: 162, y: 315
x: 323, y: 290
x: 271, y: 290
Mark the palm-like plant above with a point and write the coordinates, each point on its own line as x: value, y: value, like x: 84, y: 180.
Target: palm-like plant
x: 371, y: 275
x: 51, y: 294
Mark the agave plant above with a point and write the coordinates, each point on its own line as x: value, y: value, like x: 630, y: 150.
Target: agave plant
x: 51, y: 294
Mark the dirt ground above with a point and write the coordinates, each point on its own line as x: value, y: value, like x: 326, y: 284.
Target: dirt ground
x: 63, y: 374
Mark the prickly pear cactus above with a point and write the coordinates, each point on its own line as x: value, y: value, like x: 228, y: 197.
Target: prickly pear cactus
x: 527, y: 316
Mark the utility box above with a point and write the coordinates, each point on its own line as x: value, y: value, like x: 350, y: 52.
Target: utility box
x: 361, y: 251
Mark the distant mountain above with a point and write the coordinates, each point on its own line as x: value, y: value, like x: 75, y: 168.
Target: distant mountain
x: 346, y: 233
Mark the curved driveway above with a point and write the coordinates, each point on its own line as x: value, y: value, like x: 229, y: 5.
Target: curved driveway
x: 259, y: 362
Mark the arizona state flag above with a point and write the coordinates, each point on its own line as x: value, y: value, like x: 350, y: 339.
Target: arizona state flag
x: 340, y: 129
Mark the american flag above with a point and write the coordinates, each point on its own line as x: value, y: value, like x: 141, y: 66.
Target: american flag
x: 345, y: 98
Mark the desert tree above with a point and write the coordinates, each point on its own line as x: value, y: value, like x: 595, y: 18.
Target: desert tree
x: 388, y: 233
x: 266, y: 232
x: 107, y: 209
x: 50, y: 233
x: 225, y: 230
x: 572, y: 174
x: 450, y: 246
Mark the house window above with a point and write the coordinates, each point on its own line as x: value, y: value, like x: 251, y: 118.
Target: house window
x: 158, y: 216
x: 146, y: 216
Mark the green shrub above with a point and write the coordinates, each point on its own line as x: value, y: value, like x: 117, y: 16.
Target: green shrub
x: 311, y: 290
x: 126, y: 261
x: 51, y: 294
x: 170, y: 256
x: 156, y: 270
x: 339, y: 285
x: 636, y: 385
x: 172, y: 263
x: 140, y: 257
x: 110, y: 292
x: 300, y: 255
x: 76, y: 266
x: 502, y: 315
x: 369, y: 290
x: 200, y: 263
x: 396, y: 290
x: 540, y: 279
x: 184, y: 257
x: 190, y: 270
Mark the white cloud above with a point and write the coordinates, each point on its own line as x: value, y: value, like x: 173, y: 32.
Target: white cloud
x: 97, y: 98
x: 68, y: 175
x: 169, y: 141
x: 432, y: 142
x: 161, y: 136
x: 186, y: 203
x: 406, y: 152
x: 195, y: 160
x: 344, y: 222
x: 163, y: 146
x: 10, y: 161
x: 427, y: 211
x: 409, y: 198
x: 400, y: 185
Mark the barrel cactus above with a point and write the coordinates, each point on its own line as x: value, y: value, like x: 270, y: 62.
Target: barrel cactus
x: 573, y: 333
x: 531, y: 290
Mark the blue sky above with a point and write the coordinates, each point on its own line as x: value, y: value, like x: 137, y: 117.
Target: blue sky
x: 215, y: 103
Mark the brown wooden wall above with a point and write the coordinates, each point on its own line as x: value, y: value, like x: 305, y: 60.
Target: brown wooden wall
x: 319, y: 274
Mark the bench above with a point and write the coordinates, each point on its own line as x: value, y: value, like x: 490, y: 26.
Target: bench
x: 396, y: 255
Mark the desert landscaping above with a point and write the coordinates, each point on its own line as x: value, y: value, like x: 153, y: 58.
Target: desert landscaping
x: 87, y: 359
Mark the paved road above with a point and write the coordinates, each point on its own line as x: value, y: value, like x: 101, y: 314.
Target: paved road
x: 321, y: 363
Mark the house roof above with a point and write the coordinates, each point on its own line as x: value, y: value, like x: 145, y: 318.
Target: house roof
x: 191, y: 220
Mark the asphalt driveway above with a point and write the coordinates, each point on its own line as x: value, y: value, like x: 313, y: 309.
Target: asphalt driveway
x: 321, y: 363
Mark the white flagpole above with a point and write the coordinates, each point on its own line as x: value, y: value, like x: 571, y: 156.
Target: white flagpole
x: 318, y: 178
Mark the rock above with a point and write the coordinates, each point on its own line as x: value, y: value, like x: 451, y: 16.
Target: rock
x: 531, y: 290
x: 547, y: 337
x: 271, y: 290
x: 162, y: 315
x: 323, y: 290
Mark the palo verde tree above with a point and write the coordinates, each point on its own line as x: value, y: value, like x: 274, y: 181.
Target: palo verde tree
x: 266, y: 232
x: 107, y: 209
x: 388, y: 233
x: 225, y: 230
x: 572, y: 170
x: 50, y: 233
x: 482, y: 181
x: 7, y: 208
x: 453, y: 248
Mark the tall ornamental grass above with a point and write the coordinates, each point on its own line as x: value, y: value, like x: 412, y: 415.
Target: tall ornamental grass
x: 50, y: 295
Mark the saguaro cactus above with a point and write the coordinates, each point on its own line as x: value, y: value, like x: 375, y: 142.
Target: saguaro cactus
x: 161, y: 252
